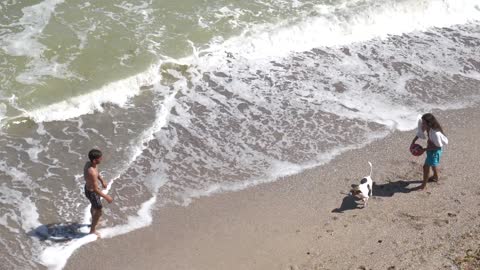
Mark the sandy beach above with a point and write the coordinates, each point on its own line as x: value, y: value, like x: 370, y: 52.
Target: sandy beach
x: 231, y: 133
x: 307, y: 221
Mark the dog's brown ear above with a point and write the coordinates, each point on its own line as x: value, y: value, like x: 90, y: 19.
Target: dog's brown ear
x: 354, y: 192
x: 354, y: 186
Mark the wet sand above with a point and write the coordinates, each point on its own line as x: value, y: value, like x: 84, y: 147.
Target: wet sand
x: 307, y: 221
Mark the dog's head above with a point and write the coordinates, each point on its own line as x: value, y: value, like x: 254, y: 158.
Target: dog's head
x: 355, y: 190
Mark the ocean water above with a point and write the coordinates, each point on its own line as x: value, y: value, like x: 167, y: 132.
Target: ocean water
x: 191, y: 98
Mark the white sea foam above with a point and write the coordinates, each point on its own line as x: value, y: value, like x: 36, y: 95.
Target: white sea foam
x: 143, y: 219
x: 117, y: 93
x: 26, y: 43
x: 161, y: 120
x: 27, y: 219
x: 229, y: 14
x: 278, y: 169
x: 35, y: 148
x: 338, y: 26
x: 3, y: 111
x: 35, y: 19
x: 4, y: 223
x: 28, y: 216
x: 142, y: 9
x: 332, y: 26
x: 376, y: 109
x: 55, y: 257
x: 40, y: 67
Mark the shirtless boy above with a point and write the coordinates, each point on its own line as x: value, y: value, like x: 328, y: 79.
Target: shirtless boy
x: 92, y: 190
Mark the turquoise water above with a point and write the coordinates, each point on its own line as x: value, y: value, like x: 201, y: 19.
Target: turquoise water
x: 192, y: 98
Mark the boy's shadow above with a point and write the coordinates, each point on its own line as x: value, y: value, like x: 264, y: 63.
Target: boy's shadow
x: 349, y: 202
x: 59, y: 232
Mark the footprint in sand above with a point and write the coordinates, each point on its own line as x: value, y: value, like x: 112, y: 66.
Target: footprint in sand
x: 418, y: 226
x: 441, y: 222
x: 409, y: 216
x: 414, y: 220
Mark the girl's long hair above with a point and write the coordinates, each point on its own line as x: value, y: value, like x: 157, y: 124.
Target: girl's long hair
x: 432, y: 122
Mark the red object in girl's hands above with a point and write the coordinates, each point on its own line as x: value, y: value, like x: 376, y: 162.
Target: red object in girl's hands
x: 416, y: 149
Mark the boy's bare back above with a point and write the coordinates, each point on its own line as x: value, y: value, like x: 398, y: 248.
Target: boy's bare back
x: 91, y: 176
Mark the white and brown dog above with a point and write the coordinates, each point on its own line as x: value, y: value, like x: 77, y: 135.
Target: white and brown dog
x: 365, y: 189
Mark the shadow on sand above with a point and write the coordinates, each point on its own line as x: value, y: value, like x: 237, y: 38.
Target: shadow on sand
x: 349, y: 202
x: 59, y: 232
x: 390, y: 188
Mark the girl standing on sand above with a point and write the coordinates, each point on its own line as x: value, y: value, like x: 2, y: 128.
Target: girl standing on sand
x: 436, y: 139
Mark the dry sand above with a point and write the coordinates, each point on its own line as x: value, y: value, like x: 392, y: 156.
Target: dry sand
x: 307, y: 222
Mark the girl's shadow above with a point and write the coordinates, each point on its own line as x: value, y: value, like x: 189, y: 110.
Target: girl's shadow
x: 390, y: 188
x: 349, y: 202
x: 59, y: 232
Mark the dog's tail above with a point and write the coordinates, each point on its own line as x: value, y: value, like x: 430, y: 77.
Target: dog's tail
x: 371, y: 168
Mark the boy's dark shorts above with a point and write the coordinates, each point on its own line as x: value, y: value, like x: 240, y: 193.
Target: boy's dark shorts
x: 93, y: 198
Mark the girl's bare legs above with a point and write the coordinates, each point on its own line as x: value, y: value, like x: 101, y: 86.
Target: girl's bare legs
x: 426, y: 173
x: 434, y: 178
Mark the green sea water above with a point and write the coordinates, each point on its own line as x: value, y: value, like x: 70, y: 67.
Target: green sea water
x: 55, y: 50
x: 192, y: 98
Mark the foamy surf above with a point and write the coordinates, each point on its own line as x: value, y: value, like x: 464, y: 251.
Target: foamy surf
x: 117, y: 93
x: 240, y: 109
x: 331, y: 26
x: 27, y: 43
x: 35, y: 18
x: 350, y: 23
x: 278, y: 170
x: 55, y: 257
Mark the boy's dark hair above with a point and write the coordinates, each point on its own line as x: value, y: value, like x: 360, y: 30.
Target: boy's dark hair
x: 94, y: 154
x: 432, y: 122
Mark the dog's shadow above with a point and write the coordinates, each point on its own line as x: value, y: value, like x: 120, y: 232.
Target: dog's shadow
x: 59, y: 232
x: 349, y: 202
x: 389, y: 189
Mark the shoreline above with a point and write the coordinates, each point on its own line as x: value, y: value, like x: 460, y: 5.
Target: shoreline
x: 306, y: 221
